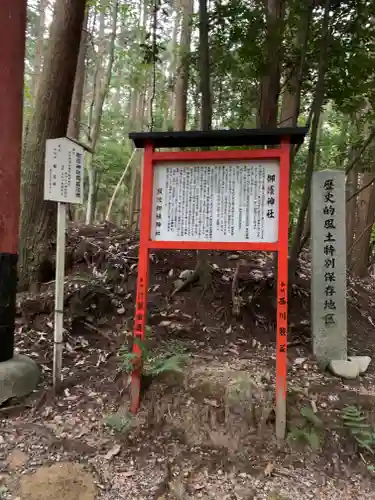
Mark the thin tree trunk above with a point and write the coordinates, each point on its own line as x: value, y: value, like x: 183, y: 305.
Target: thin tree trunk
x: 49, y: 120
x: 103, y: 80
x: 316, y: 111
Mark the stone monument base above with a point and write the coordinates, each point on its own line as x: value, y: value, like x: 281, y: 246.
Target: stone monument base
x: 19, y: 376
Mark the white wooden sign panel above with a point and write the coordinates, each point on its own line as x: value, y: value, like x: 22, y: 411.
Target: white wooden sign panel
x: 228, y: 201
x: 63, y: 174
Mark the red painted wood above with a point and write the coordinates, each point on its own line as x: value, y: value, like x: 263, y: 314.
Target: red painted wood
x: 211, y: 245
x: 221, y: 155
x: 142, y: 281
x: 12, y: 57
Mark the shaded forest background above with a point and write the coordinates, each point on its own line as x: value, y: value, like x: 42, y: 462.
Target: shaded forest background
x: 97, y: 70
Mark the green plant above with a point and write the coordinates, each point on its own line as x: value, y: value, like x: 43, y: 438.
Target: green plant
x: 119, y: 423
x: 3, y: 491
x: 363, y: 433
x: 156, y: 363
x: 308, y: 431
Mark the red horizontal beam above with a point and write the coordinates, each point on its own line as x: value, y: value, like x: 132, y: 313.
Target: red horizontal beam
x: 209, y: 245
x: 242, y: 154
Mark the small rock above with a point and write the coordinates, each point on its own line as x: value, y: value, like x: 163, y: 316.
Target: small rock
x: 113, y: 452
x: 362, y: 362
x: 233, y: 257
x: 2, y: 440
x: 186, y: 274
x: 299, y: 361
x: 16, y: 459
x: 344, y: 368
x: 121, y: 310
x: 178, y: 283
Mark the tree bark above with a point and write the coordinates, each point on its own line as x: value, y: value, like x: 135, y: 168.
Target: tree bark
x: 364, y: 222
x: 351, y: 210
x: 204, y: 67
x: 39, y: 45
x: 270, y: 84
x: 74, y: 127
x: 182, y: 77
x: 49, y: 120
x: 316, y: 111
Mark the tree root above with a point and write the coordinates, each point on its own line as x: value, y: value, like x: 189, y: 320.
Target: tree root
x: 201, y: 273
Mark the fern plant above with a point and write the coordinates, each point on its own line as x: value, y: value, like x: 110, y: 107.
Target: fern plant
x: 362, y: 432
x: 119, y: 423
x: 308, y: 431
x: 153, y: 364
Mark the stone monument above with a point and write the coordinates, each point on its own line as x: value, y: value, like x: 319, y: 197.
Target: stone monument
x: 328, y: 274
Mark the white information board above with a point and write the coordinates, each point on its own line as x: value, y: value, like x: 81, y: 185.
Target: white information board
x: 63, y: 174
x: 229, y: 201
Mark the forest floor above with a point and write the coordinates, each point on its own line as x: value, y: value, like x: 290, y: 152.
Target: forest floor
x: 207, y: 433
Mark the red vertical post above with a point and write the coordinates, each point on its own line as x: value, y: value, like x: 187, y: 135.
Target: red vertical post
x: 140, y: 319
x: 12, y: 59
x: 282, y: 291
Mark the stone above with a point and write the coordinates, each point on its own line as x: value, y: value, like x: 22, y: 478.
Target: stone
x: 178, y: 283
x: 16, y: 460
x: 362, y: 362
x: 344, y: 368
x: 19, y: 376
x: 63, y: 481
x: 328, y: 276
x: 186, y: 274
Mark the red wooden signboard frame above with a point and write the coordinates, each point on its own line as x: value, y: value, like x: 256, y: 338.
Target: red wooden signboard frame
x: 151, y: 158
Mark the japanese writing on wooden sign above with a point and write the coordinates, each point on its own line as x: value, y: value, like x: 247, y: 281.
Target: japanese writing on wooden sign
x: 216, y: 202
x: 328, y: 298
x: 63, y: 175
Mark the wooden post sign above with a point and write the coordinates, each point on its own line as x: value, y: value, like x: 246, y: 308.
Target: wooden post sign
x: 217, y: 200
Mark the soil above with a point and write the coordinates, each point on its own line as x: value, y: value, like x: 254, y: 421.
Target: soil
x: 205, y: 433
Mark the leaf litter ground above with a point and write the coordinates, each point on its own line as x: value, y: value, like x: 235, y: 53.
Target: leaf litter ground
x: 207, y: 433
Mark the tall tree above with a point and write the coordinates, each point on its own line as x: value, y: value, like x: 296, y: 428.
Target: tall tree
x: 182, y: 77
x: 49, y: 119
x: 101, y: 87
x: 270, y: 82
x: 316, y: 109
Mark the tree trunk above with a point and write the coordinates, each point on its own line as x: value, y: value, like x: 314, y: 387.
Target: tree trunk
x: 204, y: 67
x: 74, y: 127
x: 49, y: 120
x: 182, y: 77
x: 316, y: 111
x: 202, y: 268
x: 270, y: 84
x: 173, y: 65
x: 351, y: 211
x: 39, y: 45
x: 364, y: 222
x: 102, y: 82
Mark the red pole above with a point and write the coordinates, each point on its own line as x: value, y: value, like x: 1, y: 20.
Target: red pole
x: 12, y: 58
x: 140, y: 319
x: 282, y: 293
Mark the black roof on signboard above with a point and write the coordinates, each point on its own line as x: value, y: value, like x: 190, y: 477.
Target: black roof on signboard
x: 241, y: 137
